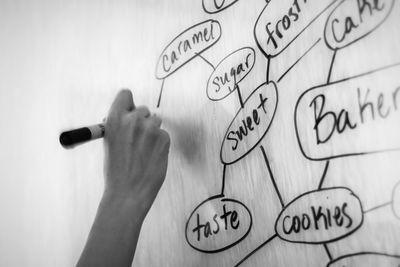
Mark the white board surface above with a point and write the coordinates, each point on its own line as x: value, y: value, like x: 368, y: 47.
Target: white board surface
x: 283, y: 116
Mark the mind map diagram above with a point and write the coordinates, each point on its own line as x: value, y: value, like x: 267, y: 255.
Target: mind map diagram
x: 327, y: 214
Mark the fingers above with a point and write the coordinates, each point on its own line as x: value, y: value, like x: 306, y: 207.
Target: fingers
x: 141, y: 112
x: 123, y: 102
x: 155, y: 121
x: 124, y: 108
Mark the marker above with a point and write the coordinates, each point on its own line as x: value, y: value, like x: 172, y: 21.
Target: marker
x: 71, y: 138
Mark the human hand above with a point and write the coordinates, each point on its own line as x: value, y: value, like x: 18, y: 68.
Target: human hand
x: 136, y: 159
x: 136, y: 152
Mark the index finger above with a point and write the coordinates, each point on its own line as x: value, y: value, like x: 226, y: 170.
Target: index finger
x: 123, y: 102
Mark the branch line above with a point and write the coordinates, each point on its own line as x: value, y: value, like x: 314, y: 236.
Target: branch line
x: 223, y: 180
x: 240, y: 96
x: 328, y: 252
x: 321, y: 182
x: 161, y: 91
x: 298, y: 60
x: 272, y: 176
x: 268, y: 67
x: 256, y: 249
x: 208, y: 62
x: 331, y: 67
x: 378, y: 207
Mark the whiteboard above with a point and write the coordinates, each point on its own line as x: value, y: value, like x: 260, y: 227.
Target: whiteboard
x: 283, y: 117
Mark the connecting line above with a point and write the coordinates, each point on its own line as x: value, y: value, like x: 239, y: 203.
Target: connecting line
x: 161, y: 91
x: 321, y: 182
x: 298, y: 60
x: 331, y: 67
x: 236, y: 86
x: 272, y: 176
x: 240, y: 96
x: 268, y: 66
x: 208, y: 62
x: 223, y: 180
x: 256, y: 249
x: 328, y: 252
x: 378, y: 207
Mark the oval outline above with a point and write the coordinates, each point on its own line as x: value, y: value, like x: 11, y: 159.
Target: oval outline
x: 296, y: 126
x: 195, y: 54
x: 223, y: 199
x: 361, y: 254
x: 258, y: 42
x: 263, y: 135
x: 362, y: 36
x: 216, y: 68
x: 327, y: 241
x: 215, y: 12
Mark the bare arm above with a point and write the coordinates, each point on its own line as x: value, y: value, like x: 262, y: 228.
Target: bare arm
x: 135, y: 167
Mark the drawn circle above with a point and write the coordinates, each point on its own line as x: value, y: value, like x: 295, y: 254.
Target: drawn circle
x: 221, y: 241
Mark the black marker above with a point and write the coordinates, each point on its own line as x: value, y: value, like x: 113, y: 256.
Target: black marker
x: 71, y: 138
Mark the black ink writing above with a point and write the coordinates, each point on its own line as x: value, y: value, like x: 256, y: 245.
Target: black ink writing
x: 278, y: 29
x: 247, y: 124
x: 205, y: 35
x: 366, y: 10
x: 339, y: 122
x: 207, y: 229
x: 220, y: 80
x: 318, y: 218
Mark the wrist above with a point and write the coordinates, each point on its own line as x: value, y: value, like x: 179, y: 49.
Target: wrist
x: 129, y: 203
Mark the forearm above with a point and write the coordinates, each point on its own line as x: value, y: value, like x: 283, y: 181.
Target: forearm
x: 114, y: 234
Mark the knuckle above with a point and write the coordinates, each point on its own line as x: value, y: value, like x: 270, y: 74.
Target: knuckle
x: 134, y: 123
x: 136, y: 119
x: 138, y: 123
x: 147, y: 129
x: 154, y: 122
x: 143, y: 109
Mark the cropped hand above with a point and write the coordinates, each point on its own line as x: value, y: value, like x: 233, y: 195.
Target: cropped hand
x: 136, y: 151
x: 136, y: 161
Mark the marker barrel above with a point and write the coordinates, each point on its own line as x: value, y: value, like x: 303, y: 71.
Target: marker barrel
x: 81, y: 135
